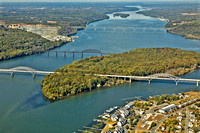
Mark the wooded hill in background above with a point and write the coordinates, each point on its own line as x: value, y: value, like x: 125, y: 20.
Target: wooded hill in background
x: 17, y: 42
x: 184, y: 19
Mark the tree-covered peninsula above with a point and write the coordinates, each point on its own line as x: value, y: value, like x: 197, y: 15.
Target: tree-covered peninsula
x: 79, y: 76
x: 182, y: 20
x: 17, y: 43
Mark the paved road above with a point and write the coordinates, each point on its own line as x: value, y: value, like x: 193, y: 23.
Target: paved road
x: 186, y: 120
x: 161, y: 121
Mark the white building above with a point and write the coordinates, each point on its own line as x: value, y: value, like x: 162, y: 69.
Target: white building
x: 168, y: 108
x: 129, y: 105
x: 121, y: 122
x: 115, y: 116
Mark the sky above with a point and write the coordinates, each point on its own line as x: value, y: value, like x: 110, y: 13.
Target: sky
x: 96, y: 0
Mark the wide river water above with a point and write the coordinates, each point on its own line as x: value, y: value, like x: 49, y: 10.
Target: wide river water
x: 23, y: 108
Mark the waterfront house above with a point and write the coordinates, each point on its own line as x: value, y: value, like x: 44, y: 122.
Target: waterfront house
x: 115, y: 116
x: 129, y: 105
x: 121, y: 122
x: 124, y: 112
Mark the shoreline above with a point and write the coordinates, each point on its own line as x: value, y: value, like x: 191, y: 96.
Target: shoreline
x: 151, y: 106
x: 106, y: 87
x: 169, y: 31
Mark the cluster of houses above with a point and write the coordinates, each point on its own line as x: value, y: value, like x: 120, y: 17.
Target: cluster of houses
x: 15, y: 26
x: 121, y: 116
x: 192, y: 120
x: 189, y: 102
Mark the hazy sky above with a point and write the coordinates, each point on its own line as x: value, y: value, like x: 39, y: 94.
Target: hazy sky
x: 95, y: 0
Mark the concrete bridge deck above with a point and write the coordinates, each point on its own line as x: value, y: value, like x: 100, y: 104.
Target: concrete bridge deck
x: 159, y: 76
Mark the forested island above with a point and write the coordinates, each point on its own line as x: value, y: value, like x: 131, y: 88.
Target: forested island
x: 122, y: 15
x: 79, y: 77
x: 182, y: 20
x: 17, y: 43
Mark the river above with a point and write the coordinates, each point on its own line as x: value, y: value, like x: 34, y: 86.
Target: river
x: 23, y: 108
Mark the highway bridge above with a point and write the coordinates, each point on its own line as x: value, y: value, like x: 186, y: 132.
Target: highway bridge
x: 159, y: 76
x: 122, y: 28
x: 23, y: 69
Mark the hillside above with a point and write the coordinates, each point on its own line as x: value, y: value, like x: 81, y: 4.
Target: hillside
x: 183, y: 20
x: 78, y: 77
x: 16, y: 43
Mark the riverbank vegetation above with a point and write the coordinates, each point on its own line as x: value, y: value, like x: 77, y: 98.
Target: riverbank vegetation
x: 79, y: 76
x: 17, y: 42
x: 183, y: 19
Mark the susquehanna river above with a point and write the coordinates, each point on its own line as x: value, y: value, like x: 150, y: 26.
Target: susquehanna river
x: 23, y: 108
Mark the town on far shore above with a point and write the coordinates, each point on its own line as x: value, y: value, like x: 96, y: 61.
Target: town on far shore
x: 176, y: 113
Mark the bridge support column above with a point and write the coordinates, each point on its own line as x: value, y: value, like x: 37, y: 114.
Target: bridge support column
x: 64, y: 54
x: 56, y: 53
x: 130, y: 80
x: 149, y: 81
x: 33, y: 75
x: 73, y: 54
x: 176, y: 83
x: 48, y: 53
x: 197, y: 83
x: 12, y: 74
x: 95, y: 29
x: 81, y: 54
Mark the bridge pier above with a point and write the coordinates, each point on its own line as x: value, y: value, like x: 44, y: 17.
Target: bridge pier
x: 48, y: 53
x: 12, y: 74
x: 56, y: 53
x: 81, y: 54
x: 130, y: 80
x: 33, y: 75
x: 73, y: 54
x: 64, y: 54
x: 176, y: 83
x: 197, y: 83
x: 95, y: 29
x: 150, y: 81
